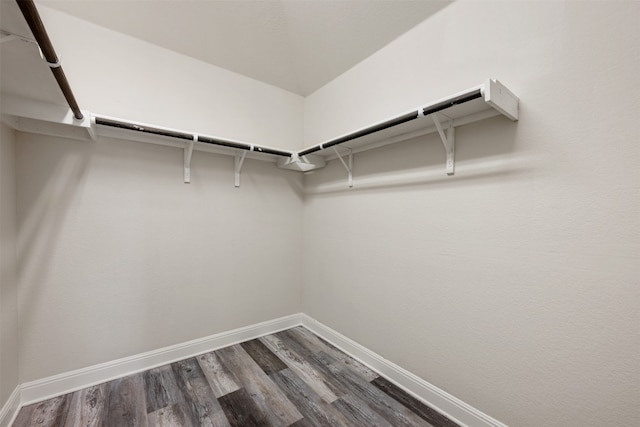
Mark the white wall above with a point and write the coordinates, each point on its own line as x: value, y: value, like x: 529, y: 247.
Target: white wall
x: 118, y: 256
x: 8, y: 279
x: 117, y: 75
x: 513, y: 285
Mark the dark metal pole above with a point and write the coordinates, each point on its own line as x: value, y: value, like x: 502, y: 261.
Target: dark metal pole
x: 102, y: 121
x: 31, y: 15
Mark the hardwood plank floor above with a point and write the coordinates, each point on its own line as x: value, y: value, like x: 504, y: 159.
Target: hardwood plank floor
x: 291, y: 378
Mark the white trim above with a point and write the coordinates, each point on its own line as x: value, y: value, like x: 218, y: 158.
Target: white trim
x: 46, y: 388
x: 9, y: 411
x: 440, y: 400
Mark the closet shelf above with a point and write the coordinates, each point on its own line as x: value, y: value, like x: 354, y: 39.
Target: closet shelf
x: 443, y: 116
x: 113, y: 128
x: 490, y: 99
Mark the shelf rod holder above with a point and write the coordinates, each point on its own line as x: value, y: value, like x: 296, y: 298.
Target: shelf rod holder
x: 448, y: 141
x: 239, y: 160
x: 348, y: 167
x: 188, y: 153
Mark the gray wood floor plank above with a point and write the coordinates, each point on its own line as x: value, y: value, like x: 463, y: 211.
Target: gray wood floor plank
x: 265, y: 358
x: 430, y: 415
x: 241, y: 410
x: 303, y: 423
x: 316, y: 344
x: 176, y: 415
x: 160, y: 388
x: 268, y: 397
x: 315, y: 411
x: 88, y: 407
x: 220, y: 379
x: 49, y: 413
x: 319, y: 361
x: 198, y: 395
x: 359, y: 413
x: 379, y: 401
x: 127, y: 403
x: 301, y: 367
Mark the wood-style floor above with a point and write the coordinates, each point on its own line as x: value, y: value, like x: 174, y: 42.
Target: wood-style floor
x: 291, y: 378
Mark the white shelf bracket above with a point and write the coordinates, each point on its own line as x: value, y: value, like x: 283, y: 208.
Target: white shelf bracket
x: 448, y: 141
x: 188, y: 152
x: 239, y: 160
x: 91, y: 130
x: 348, y: 167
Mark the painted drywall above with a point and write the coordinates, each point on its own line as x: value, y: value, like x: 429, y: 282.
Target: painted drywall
x: 513, y: 285
x: 117, y: 75
x: 8, y: 278
x: 117, y: 256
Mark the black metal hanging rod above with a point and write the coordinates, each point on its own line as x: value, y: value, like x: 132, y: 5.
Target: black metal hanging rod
x: 461, y: 99
x: 243, y: 146
x: 31, y: 15
x: 189, y: 137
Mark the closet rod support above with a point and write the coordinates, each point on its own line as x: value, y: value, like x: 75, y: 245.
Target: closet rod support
x: 448, y: 141
x: 348, y: 167
x: 188, y: 152
x: 239, y: 160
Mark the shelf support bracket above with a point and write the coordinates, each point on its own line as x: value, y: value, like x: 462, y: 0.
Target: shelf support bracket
x: 91, y: 130
x: 448, y: 141
x: 239, y: 160
x: 348, y: 167
x: 188, y: 152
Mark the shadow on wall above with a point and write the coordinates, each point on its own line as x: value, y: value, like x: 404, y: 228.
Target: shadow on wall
x: 44, y: 201
x: 484, y: 151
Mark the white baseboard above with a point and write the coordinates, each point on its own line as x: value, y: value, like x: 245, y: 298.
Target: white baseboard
x: 57, y: 385
x: 39, y: 390
x: 10, y: 409
x: 450, y: 406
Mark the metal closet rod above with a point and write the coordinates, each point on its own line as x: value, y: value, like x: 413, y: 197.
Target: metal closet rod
x: 189, y: 137
x: 31, y: 15
x: 461, y: 99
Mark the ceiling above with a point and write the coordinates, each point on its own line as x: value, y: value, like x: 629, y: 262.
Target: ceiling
x: 298, y: 46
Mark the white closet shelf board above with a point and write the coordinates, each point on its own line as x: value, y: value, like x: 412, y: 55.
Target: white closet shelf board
x: 478, y: 103
x: 443, y: 116
x: 142, y: 132
x: 31, y: 116
x: 28, y: 115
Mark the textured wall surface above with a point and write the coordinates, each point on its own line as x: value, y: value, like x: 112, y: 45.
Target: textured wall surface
x: 8, y: 278
x: 118, y: 256
x: 513, y: 285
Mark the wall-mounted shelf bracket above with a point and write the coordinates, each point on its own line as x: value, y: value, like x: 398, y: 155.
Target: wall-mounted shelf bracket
x: 239, y: 160
x: 91, y: 130
x: 188, y: 152
x: 448, y: 141
x: 349, y: 166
